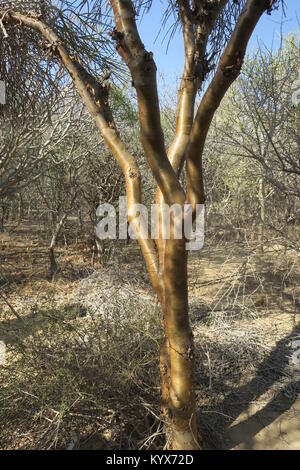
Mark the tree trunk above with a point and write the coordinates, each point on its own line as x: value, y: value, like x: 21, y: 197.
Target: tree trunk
x: 4, y: 215
x: 79, y: 218
x: 21, y: 208
x: 167, y: 267
x: 177, y: 366
x: 182, y: 407
x: 29, y: 210
x: 261, y: 196
x: 53, y: 264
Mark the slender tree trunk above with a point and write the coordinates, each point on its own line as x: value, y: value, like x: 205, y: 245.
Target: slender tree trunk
x: 98, y: 247
x: 164, y: 374
x: 177, y: 349
x: 79, y: 218
x: 53, y: 264
x: 29, y: 210
x: 21, y: 207
x: 261, y: 196
x: 4, y: 215
x: 182, y: 406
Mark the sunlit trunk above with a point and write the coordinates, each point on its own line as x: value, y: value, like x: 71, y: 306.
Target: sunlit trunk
x: 182, y: 408
x: 166, y: 261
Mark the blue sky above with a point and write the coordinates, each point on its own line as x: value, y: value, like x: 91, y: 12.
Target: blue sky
x: 170, y: 63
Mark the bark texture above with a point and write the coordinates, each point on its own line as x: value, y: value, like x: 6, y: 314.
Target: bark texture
x: 166, y: 260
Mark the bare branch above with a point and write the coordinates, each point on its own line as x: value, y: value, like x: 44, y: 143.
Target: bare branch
x: 228, y: 70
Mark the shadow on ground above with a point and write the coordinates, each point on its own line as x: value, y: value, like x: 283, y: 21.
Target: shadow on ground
x: 237, y: 421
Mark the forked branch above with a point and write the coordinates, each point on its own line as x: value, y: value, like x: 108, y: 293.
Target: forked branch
x: 228, y: 70
x: 143, y: 71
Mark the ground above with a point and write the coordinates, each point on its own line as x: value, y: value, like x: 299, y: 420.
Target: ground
x: 82, y: 349
x: 251, y: 304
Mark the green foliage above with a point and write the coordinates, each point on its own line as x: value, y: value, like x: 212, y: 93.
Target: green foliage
x: 123, y: 107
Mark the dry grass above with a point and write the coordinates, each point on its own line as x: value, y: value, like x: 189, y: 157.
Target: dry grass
x: 79, y: 371
x: 245, y: 318
x: 82, y: 367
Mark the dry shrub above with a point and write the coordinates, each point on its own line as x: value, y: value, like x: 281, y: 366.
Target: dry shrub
x: 245, y: 338
x: 76, y: 374
x: 84, y: 373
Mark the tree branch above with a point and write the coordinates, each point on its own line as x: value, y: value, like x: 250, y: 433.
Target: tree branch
x: 228, y: 70
x: 95, y: 97
x: 143, y: 71
x: 195, y: 37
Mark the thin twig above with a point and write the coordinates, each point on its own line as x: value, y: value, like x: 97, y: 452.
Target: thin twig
x: 12, y: 308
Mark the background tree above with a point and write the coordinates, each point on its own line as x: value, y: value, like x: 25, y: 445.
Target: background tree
x: 28, y: 136
x: 258, y: 122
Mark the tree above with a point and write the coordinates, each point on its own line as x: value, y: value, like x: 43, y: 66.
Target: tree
x: 28, y: 137
x: 71, y: 33
x: 257, y: 126
x: 259, y: 120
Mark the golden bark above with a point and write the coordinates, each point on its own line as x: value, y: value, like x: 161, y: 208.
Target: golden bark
x: 228, y: 70
x: 166, y: 260
x: 143, y: 71
x: 182, y: 406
